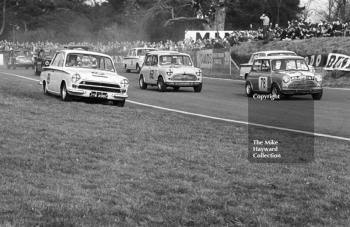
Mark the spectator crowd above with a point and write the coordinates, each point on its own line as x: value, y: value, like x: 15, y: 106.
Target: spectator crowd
x: 295, y: 30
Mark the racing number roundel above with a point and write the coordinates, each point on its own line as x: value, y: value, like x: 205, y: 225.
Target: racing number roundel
x: 263, y: 83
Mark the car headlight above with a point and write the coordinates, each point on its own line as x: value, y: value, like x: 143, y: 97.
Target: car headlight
x: 169, y: 73
x: 318, y: 78
x: 75, y: 78
x: 286, y: 79
x: 124, y: 83
x: 47, y: 63
x: 199, y: 73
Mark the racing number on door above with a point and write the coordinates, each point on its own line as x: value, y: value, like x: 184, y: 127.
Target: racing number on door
x: 263, y: 83
x: 151, y: 74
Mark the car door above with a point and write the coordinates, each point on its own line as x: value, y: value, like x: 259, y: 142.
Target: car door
x: 264, y: 78
x: 254, y: 74
x: 146, y: 68
x: 153, y: 74
x: 54, y: 74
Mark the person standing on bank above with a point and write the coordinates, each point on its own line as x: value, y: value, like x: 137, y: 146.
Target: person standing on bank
x: 266, y: 23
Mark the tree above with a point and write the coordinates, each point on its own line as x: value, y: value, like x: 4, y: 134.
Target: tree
x: 2, y: 29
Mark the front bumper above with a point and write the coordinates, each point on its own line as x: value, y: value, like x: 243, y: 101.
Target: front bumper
x: 98, y: 94
x: 301, y: 91
x: 183, y: 83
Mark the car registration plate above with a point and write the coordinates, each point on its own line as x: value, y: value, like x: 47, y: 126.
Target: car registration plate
x: 100, y: 95
x: 184, y: 84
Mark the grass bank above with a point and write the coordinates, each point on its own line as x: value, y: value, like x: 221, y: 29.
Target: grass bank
x: 91, y: 164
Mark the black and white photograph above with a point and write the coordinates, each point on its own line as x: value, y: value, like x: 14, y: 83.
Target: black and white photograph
x: 224, y: 113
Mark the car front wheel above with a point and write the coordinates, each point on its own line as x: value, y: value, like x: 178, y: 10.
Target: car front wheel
x: 275, y: 91
x: 248, y: 89
x: 197, y: 88
x: 142, y: 83
x: 317, y: 96
x: 160, y: 84
x: 64, y: 94
x: 119, y: 103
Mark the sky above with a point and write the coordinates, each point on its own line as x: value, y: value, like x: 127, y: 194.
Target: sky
x: 316, y: 6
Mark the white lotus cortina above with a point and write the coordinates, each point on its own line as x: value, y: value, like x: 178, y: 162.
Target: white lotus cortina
x: 84, y: 74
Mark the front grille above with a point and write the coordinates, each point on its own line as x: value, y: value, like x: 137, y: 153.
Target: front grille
x: 302, y: 84
x: 184, y: 77
x: 96, y: 86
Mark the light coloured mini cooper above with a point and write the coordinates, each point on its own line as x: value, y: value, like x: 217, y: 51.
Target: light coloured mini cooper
x: 245, y: 68
x: 84, y: 74
x: 135, y: 58
x: 170, y: 69
x: 283, y: 76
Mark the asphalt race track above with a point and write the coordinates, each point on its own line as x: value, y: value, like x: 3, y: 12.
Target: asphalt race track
x: 226, y: 99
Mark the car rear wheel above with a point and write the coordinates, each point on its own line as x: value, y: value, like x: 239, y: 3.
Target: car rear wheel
x: 248, y: 89
x: 317, y: 96
x: 142, y: 83
x: 119, y: 103
x: 64, y: 94
x: 45, y: 88
x: 197, y: 88
x: 138, y: 68
x: 160, y: 84
x: 126, y: 68
x: 36, y: 71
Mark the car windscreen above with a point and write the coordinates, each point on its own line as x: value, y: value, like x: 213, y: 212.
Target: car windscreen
x: 282, y: 54
x: 141, y: 52
x: 289, y: 65
x: 89, y: 61
x: 175, y: 60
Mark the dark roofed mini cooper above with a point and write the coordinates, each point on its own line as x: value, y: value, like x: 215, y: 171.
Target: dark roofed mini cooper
x: 283, y: 76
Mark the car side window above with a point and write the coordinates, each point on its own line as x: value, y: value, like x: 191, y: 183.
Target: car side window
x: 154, y: 60
x: 252, y: 58
x: 133, y: 53
x: 148, y: 60
x: 265, y: 66
x: 256, y: 66
x: 58, y: 59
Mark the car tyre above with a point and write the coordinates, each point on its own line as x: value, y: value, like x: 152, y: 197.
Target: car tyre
x: 126, y: 69
x: 45, y: 88
x: 142, y: 83
x: 317, y: 96
x: 248, y: 89
x: 275, y: 91
x: 160, y: 84
x: 119, y: 103
x: 138, y: 68
x: 197, y: 88
x: 64, y: 93
x: 36, y: 70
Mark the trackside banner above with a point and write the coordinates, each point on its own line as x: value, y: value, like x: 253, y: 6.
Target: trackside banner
x: 338, y: 62
x: 213, y: 61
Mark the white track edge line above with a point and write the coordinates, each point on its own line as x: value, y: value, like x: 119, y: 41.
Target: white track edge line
x: 242, y: 81
x: 241, y: 122
x: 218, y: 118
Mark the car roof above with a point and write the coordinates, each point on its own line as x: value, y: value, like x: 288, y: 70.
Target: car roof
x: 166, y: 52
x: 281, y: 57
x: 143, y: 48
x: 79, y: 47
x: 78, y: 51
x: 274, y: 52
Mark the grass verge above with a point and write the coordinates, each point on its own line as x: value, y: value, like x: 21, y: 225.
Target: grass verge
x: 90, y: 164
